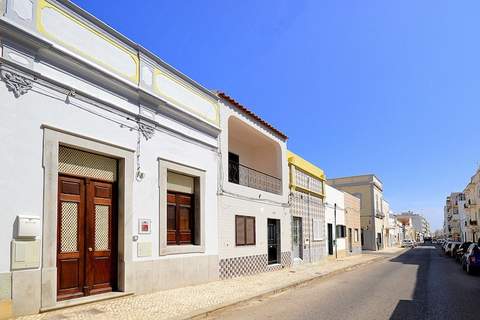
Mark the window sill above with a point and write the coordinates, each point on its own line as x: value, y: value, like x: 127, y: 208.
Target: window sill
x: 181, y: 249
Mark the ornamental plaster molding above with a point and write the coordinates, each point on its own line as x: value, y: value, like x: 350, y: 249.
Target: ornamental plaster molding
x: 16, y: 83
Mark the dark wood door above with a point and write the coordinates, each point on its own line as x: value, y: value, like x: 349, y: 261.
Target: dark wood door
x: 86, y: 259
x: 273, y: 241
x: 70, y: 238
x: 180, y: 218
x: 100, y: 262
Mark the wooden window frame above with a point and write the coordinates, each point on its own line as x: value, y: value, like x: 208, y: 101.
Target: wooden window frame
x: 192, y: 219
x: 245, y: 231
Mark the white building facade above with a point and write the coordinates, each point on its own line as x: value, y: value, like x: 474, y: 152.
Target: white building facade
x: 112, y: 164
x: 335, y: 225
x: 254, y: 219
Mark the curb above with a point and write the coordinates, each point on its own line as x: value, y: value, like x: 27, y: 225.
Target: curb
x: 204, y: 312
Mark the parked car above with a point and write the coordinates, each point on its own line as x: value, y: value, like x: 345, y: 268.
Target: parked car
x: 407, y: 243
x: 434, y: 241
x: 445, y: 245
x: 471, y: 259
x: 450, y: 246
x: 462, y: 250
x: 454, y: 248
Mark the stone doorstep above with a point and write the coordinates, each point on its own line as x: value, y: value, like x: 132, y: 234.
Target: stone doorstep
x: 85, y: 300
x: 204, y: 312
x: 6, y: 309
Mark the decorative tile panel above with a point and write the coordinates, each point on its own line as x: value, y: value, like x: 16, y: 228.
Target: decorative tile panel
x: 249, y: 265
x: 85, y: 164
x: 69, y: 227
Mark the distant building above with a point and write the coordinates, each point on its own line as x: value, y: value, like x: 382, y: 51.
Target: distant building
x: 419, y: 224
x: 369, y: 189
x: 452, y: 221
x: 472, y: 208
x: 353, y: 224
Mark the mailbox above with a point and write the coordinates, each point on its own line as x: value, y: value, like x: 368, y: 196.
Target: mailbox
x: 28, y: 227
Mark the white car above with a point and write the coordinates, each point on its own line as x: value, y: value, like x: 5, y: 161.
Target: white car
x: 408, y: 244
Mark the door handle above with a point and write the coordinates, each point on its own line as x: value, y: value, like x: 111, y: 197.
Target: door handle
x: 90, y: 249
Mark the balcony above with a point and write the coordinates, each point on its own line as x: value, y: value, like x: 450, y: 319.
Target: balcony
x: 245, y: 176
x: 254, y: 159
x: 379, y: 214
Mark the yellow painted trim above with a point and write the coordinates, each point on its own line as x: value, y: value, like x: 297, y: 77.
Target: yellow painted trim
x: 306, y: 166
x: 42, y: 4
x: 157, y: 72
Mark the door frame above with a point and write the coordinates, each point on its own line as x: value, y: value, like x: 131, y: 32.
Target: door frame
x: 52, y: 139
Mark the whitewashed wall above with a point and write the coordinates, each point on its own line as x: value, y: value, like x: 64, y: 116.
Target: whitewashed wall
x: 22, y: 178
x: 332, y: 197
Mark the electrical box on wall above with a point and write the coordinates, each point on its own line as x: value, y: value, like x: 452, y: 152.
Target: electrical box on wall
x: 28, y: 227
x: 25, y: 254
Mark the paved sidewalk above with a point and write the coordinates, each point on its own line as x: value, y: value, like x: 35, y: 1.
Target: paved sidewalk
x: 184, y: 303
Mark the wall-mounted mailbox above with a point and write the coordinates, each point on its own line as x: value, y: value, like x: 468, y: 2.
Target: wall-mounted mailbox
x: 28, y: 227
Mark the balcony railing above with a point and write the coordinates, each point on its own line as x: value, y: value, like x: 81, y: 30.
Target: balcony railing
x: 245, y: 176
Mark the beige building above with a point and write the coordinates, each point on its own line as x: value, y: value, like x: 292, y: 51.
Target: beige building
x: 369, y: 189
x: 452, y: 227
x: 352, y: 222
x: 472, y: 208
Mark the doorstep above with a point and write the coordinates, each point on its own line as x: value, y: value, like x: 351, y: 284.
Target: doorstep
x: 84, y: 300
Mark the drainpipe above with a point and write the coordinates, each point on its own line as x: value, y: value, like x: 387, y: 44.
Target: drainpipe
x: 335, y: 226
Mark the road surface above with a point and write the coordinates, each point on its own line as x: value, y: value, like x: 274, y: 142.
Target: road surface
x: 419, y: 284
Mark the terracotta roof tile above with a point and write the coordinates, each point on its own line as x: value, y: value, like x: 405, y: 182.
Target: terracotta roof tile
x: 251, y: 114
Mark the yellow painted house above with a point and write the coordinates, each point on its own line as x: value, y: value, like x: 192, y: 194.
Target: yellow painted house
x: 307, y: 194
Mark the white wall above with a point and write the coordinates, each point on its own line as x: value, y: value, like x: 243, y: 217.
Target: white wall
x: 22, y: 179
x: 332, y: 197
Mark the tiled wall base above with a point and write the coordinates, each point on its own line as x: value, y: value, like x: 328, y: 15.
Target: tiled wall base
x: 249, y: 265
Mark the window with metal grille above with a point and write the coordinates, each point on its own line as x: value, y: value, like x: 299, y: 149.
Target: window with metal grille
x: 244, y: 230
x: 341, y: 231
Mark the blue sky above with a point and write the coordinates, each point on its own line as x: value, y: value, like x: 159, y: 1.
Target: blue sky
x: 384, y: 87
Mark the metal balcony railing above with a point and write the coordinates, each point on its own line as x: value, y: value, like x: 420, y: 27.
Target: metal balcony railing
x: 245, y: 176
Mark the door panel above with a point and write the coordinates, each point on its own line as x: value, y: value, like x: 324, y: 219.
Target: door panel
x: 330, y: 238
x: 100, y: 267
x: 297, y: 237
x: 70, y: 238
x: 273, y: 241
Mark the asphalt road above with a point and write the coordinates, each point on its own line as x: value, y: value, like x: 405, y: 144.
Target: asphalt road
x: 419, y: 284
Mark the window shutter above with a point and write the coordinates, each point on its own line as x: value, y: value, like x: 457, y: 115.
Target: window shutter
x: 240, y: 230
x: 250, y: 230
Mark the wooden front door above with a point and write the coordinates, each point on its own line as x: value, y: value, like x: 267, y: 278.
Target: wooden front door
x: 86, y: 250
